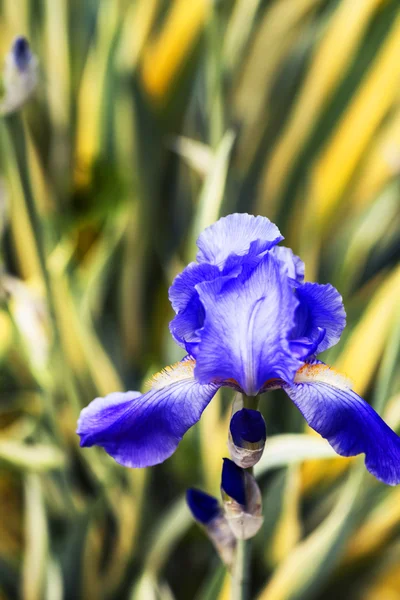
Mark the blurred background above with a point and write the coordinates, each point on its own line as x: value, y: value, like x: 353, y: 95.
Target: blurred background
x: 152, y: 118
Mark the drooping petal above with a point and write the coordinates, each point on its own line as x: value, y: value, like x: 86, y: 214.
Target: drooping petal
x: 350, y: 424
x: 247, y: 322
x: 236, y: 234
x: 292, y: 264
x: 320, y: 310
x: 143, y: 430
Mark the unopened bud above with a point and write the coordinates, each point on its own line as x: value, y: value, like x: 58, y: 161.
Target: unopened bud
x: 20, y: 76
x: 208, y: 512
x: 247, y: 435
x: 22, y: 53
x: 242, y: 500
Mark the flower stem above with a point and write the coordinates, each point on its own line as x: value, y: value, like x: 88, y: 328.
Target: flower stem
x: 241, y: 575
x: 250, y: 402
x: 241, y: 568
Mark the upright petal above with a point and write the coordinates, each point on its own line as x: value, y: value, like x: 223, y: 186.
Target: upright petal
x: 292, y: 264
x: 185, y: 326
x: 186, y: 302
x: 247, y: 322
x: 236, y: 234
x: 143, y: 430
x: 320, y: 310
x: 350, y: 425
x: 183, y: 289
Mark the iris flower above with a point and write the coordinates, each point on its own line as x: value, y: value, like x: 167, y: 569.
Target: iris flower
x: 246, y: 320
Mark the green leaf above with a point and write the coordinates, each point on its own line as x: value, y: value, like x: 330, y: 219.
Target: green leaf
x: 311, y: 561
x: 287, y: 449
x: 212, y: 193
x: 34, y: 458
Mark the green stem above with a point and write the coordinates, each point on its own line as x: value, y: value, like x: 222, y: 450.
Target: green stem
x: 250, y: 402
x: 241, y: 571
x: 14, y: 128
x: 214, y: 78
x: 16, y: 137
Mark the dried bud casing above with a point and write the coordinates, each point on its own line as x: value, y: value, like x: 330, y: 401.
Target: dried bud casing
x: 20, y: 76
x: 223, y: 539
x: 242, y: 501
x: 208, y: 513
x: 247, y: 435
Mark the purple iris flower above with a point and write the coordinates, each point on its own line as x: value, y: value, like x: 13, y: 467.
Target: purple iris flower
x: 246, y: 320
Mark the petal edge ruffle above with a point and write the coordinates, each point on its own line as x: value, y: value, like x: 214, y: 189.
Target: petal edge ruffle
x: 238, y: 233
x: 320, y: 309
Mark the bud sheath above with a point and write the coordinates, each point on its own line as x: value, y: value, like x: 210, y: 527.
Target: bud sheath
x: 208, y: 513
x: 242, y: 500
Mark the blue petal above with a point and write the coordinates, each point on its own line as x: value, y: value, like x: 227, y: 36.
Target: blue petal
x: 185, y: 300
x: 182, y: 289
x: 320, y: 310
x: 247, y: 425
x: 247, y: 322
x: 305, y: 347
x: 203, y: 507
x: 350, y: 425
x: 233, y: 482
x: 236, y: 234
x: 185, y: 326
x: 292, y: 264
x: 143, y: 430
x: 186, y: 303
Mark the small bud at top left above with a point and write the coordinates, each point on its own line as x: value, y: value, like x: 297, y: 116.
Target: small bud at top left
x: 21, y: 52
x: 203, y: 507
x: 20, y: 76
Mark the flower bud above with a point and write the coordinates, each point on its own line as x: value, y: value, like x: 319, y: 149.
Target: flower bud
x: 208, y: 512
x: 22, y: 53
x: 203, y: 507
x: 20, y: 76
x: 242, y: 500
x: 247, y: 435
